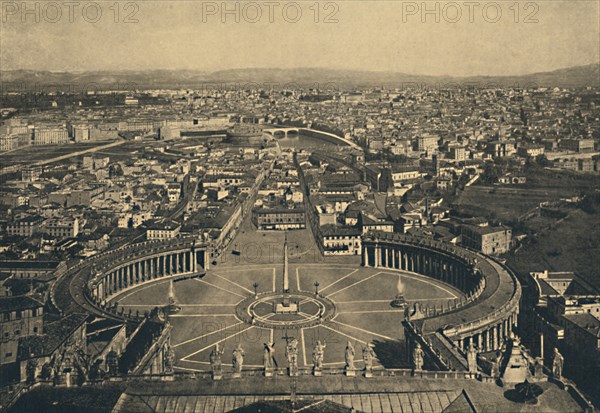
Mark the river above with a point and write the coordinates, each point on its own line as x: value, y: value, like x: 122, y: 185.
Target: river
x: 304, y: 142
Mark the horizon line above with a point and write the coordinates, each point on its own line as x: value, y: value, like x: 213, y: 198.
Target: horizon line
x: 334, y: 69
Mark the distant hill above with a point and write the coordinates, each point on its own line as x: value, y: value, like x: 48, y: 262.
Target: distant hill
x: 126, y: 80
x: 578, y: 76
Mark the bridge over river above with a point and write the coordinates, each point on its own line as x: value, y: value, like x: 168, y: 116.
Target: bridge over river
x: 285, y: 131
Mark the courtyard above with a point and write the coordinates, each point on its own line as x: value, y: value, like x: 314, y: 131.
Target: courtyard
x: 354, y: 302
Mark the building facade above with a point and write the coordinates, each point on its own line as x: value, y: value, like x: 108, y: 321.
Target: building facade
x: 340, y: 240
x: 489, y: 240
x: 279, y: 218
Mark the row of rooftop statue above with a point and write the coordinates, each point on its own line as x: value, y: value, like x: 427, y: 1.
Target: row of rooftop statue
x: 77, y: 363
x: 291, y: 355
x: 368, y: 356
x: 515, y: 356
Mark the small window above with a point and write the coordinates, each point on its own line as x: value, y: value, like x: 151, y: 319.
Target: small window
x: 8, y: 355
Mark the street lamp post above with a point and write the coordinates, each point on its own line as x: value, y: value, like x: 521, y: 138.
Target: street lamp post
x: 255, y: 285
x: 316, y: 284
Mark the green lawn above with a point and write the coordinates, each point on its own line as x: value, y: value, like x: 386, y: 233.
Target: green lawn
x: 509, y: 202
x: 571, y: 245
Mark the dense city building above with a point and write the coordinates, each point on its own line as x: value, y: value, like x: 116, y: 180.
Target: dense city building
x: 152, y: 220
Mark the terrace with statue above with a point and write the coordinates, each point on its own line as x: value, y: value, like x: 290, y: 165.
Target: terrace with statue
x: 412, y: 323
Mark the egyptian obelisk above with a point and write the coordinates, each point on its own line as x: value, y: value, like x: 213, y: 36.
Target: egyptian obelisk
x: 286, y: 275
x: 172, y: 306
x: 285, y: 306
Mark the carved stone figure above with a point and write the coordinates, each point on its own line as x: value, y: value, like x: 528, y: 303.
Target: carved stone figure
x: 538, y: 368
x: 56, y: 368
x: 169, y: 355
x: 96, y: 371
x: 268, y: 355
x: 215, y: 358
x: 418, y: 356
x: 291, y: 353
x: 46, y: 373
x: 318, y: 355
x: 82, y: 363
x: 495, y: 366
x: 557, y: 364
x: 472, y: 359
x: 30, y: 370
x: 238, y: 359
x: 368, y: 356
x: 112, y: 362
x: 349, y: 356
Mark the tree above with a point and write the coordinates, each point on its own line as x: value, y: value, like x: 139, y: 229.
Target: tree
x: 542, y: 161
x: 30, y: 370
x: 490, y: 174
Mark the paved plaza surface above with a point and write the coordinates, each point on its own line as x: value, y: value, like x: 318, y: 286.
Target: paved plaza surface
x: 360, y: 312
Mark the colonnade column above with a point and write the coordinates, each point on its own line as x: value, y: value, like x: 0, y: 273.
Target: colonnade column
x: 499, y: 335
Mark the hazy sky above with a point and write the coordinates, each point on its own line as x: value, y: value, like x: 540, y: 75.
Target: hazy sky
x: 367, y: 35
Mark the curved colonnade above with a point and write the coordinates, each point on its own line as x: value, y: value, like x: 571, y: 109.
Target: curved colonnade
x: 484, y: 318
x: 489, y: 313
x: 109, y: 274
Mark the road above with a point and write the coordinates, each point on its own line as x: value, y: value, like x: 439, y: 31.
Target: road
x: 189, y: 189
x: 15, y: 168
